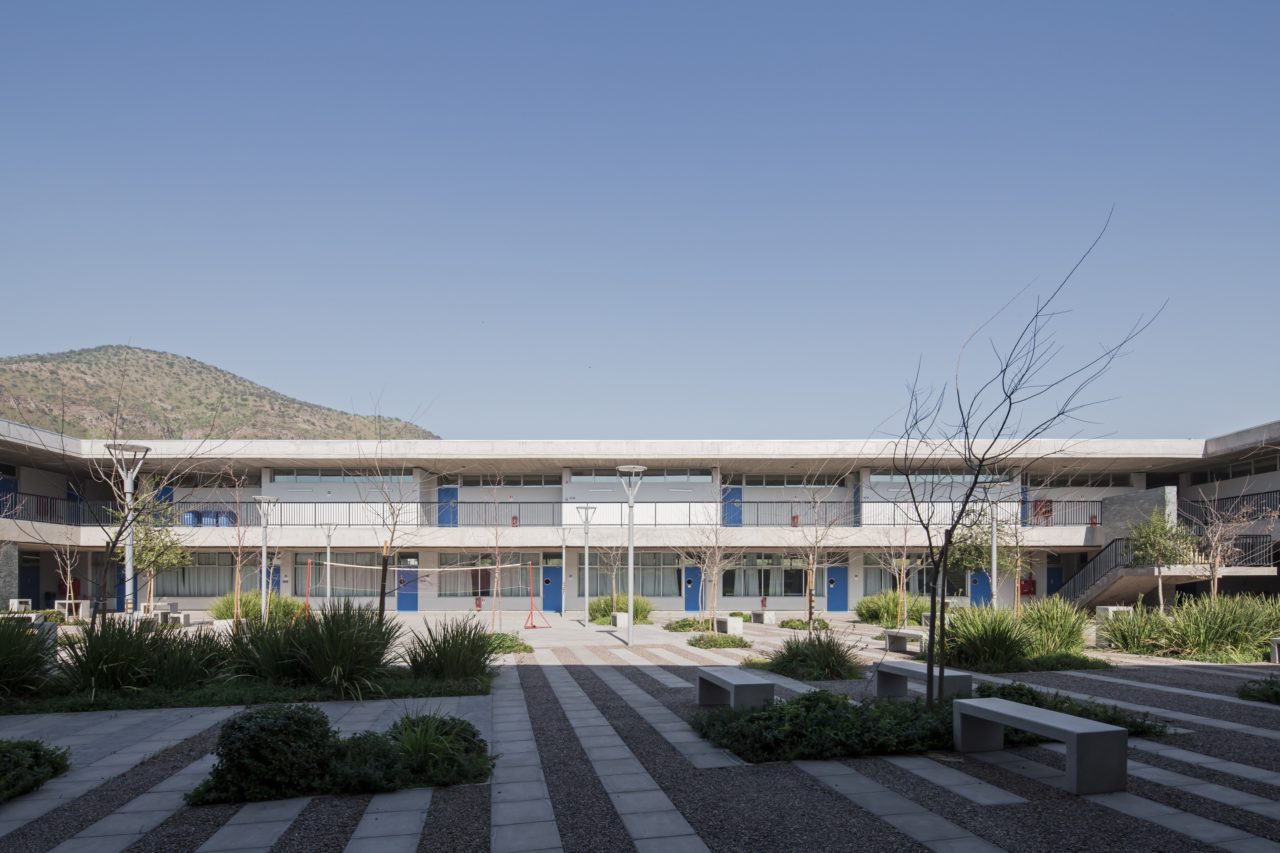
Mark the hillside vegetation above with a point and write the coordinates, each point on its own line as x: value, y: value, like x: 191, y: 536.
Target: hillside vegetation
x: 160, y: 395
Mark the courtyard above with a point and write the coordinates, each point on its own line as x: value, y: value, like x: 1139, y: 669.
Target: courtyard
x: 595, y: 752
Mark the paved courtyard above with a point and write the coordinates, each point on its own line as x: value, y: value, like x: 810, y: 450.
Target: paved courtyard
x: 596, y: 754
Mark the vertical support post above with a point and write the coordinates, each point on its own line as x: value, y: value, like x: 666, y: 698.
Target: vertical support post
x: 995, y: 584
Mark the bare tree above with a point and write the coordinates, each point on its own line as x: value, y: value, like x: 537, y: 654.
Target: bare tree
x: 895, y: 559
x: 1222, y: 523
x: 710, y: 550
x: 957, y: 439
x: 816, y: 517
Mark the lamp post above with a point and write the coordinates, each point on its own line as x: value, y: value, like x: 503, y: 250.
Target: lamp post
x: 630, y: 475
x: 264, y: 505
x: 128, y: 461
x: 995, y: 584
x: 586, y: 512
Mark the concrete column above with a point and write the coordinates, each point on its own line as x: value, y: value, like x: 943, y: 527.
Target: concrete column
x: 9, y: 574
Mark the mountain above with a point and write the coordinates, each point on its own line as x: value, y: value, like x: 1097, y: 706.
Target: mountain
x: 160, y: 395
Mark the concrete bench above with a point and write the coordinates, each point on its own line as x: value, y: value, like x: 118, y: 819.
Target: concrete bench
x: 179, y: 617
x: 1103, y: 613
x: 731, y: 625
x: 1275, y: 649
x: 729, y: 685
x: 75, y: 609
x: 1097, y: 753
x: 19, y: 604
x: 764, y: 617
x: 896, y: 639
x: 892, y: 677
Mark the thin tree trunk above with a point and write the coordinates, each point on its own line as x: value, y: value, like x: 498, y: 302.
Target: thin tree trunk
x: 929, y: 651
x: 382, y: 587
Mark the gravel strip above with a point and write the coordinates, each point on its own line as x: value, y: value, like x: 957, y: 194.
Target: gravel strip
x: 325, y: 825
x: 1040, y: 826
x: 186, y: 830
x: 67, y: 820
x: 1179, y: 799
x: 1262, y: 718
x: 751, y: 808
x: 457, y: 820
x: 1206, y: 682
x: 584, y: 813
x: 1228, y: 746
x: 1208, y: 774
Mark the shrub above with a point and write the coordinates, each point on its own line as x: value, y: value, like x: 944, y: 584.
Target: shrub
x: 1062, y: 661
x: 719, y: 641
x: 687, y: 624
x: 819, y: 624
x: 821, y: 725
x: 25, y: 765
x: 455, y: 649
x: 985, y: 640
x: 441, y: 750
x: 129, y: 654
x: 264, y: 651
x: 1054, y: 626
x: 882, y: 609
x: 820, y: 656
x: 270, y: 753
x: 280, y: 608
x: 1231, y: 628
x: 602, y: 609
x: 1137, y: 632
x: 1263, y: 690
x: 368, y: 763
x: 345, y: 647
x: 503, y: 644
x: 744, y: 616
x: 1139, y: 725
x: 26, y: 656
x: 186, y: 658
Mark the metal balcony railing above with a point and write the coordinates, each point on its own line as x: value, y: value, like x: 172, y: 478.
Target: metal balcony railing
x: 1251, y: 550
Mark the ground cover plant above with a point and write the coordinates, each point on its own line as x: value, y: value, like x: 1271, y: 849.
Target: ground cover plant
x: 283, y: 751
x: 820, y: 725
x: 1226, y: 629
x: 719, y: 641
x: 455, y: 649
x: 819, y: 624
x: 687, y: 624
x: 601, y: 610
x: 820, y: 656
x: 26, y: 657
x: 279, y: 607
x: 503, y: 644
x: 25, y: 765
x: 1262, y: 690
x: 882, y: 609
x: 741, y: 614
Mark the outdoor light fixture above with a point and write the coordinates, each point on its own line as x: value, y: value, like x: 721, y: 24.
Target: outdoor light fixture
x: 630, y: 475
x: 586, y: 512
x: 128, y: 461
x: 264, y: 506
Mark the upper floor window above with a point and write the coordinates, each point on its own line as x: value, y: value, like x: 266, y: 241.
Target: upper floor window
x: 503, y: 480
x: 653, y: 475
x: 889, y: 476
x: 339, y: 475
x: 1079, y: 480
x: 801, y: 481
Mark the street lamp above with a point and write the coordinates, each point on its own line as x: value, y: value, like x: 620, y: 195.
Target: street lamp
x: 586, y: 512
x: 264, y: 505
x: 128, y: 461
x: 630, y: 475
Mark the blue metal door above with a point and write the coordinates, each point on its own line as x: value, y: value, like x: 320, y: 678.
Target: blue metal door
x: 407, y: 589
x: 692, y: 589
x: 731, y: 503
x: 979, y: 589
x: 552, y: 589
x: 120, y: 589
x: 275, y: 579
x: 1052, y: 579
x: 447, y: 508
x: 838, y: 589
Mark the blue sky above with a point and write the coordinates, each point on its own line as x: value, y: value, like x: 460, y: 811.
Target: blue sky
x: 659, y: 219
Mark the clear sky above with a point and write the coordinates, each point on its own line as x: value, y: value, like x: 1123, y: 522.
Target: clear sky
x: 646, y: 219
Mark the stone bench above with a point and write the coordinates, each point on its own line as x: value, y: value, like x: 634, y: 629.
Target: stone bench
x: 729, y: 685
x: 178, y: 617
x: 1097, y: 753
x: 896, y: 639
x: 892, y: 677
x: 1275, y: 649
x: 764, y: 617
x: 19, y: 605
x: 731, y: 625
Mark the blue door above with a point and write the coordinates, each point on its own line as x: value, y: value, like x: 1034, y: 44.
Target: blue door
x: 447, y: 508
x: 979, y: 589
x: 552, y: 589
x: 692, y: 589
x: 1052, y: 579
x: 838, y: 589
x: 120, y: 589
x: 731, y: 503
x: 275, y: 579
x: 407, y: 589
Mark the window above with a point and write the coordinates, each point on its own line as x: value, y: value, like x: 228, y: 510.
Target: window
x: 801, y: 481
x: 1243, y: 468
x: 337, y: 475
x: 658, y: 574
x: 355, y: 573
x: 765, y: 574
x: 210, y: 574
x: 1079, y: 480
x: 507, y: 480
x: 464, y: 575
x: 653, y: 475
